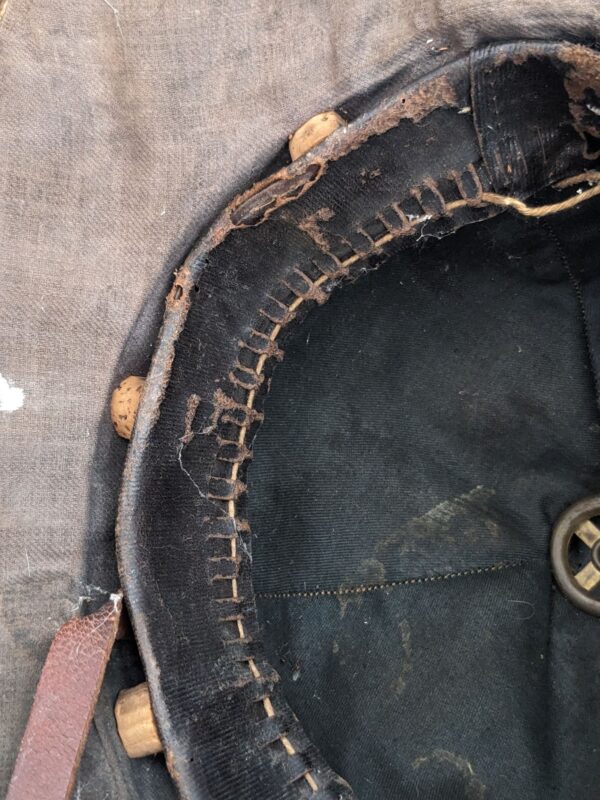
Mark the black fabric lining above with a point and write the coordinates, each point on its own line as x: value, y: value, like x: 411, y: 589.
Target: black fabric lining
x: 585, y: 325
x: 386, y: 683
x: 350, y: 652
x: 501, y: 565
x: 554, y: 737
x: 506, y: 234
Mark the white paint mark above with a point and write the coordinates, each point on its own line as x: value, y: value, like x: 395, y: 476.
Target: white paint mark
x: 28, y: 564
x: 11, y: 397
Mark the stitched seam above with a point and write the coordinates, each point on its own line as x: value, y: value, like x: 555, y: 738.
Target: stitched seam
x: 408, y: 226
x: 585, y: 323
x: 364, y: 589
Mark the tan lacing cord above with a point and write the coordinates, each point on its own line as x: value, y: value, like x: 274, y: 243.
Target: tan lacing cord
x: 526, y: 210
x: 485, y: 198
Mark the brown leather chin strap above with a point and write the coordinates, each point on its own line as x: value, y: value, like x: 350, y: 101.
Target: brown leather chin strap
x: 64, y: 704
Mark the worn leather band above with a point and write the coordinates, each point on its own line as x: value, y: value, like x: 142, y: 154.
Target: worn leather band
x: 63, y: 706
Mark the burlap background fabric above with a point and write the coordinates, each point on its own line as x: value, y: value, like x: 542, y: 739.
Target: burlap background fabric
x: 124, y: 127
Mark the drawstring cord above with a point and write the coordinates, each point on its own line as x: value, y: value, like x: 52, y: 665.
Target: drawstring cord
x: 592, y: 177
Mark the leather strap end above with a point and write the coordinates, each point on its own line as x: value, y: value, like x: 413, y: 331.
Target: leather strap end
x: 63, y: 706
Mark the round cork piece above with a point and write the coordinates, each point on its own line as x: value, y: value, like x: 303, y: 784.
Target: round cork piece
x: 313, y: 132
x: 135, y: 722
x: 124, y: 404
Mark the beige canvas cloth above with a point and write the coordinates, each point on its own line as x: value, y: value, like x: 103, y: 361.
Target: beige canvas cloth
x: 124, y: 127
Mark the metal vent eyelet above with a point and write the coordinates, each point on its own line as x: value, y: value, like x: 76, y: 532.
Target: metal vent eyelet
x: 578, y: 586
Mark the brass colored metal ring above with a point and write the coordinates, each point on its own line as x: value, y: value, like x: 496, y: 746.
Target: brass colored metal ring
x: 578, y: 586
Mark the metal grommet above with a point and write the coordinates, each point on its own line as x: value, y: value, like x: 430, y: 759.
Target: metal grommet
x: 578, y: 586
